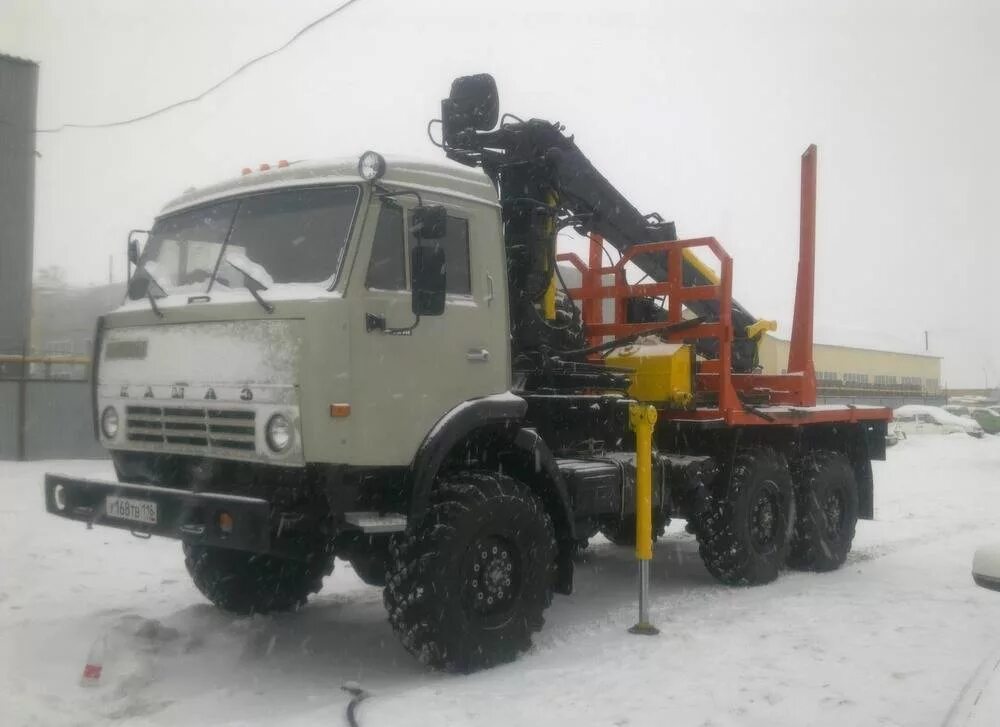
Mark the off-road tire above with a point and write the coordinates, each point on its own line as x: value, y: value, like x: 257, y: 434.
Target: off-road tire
x: 247, y: 583
x: 442, y: 574
x: 826, y: 511
x: 745, y: 535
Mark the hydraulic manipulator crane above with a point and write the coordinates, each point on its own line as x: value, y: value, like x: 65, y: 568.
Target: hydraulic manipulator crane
x: 546, y: 183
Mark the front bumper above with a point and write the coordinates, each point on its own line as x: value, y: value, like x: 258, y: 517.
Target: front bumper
x: 188, y: 516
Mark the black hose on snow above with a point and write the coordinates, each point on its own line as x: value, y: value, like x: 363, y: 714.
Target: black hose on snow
x: 358, y: 695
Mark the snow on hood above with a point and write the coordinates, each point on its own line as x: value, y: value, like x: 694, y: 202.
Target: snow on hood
x: 230, y: 352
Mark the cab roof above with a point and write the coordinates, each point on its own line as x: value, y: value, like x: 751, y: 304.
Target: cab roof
x: 448, y: 178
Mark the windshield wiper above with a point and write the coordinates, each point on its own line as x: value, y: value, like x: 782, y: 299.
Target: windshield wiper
x: 254, y: 291
x: 243, y: 265
x: 149, y: 289
x: 153, y: 305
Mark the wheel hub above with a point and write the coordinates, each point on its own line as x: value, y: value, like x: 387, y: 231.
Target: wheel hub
x: 833, y: 513
x: 765, y: 518
x: 492, y: 575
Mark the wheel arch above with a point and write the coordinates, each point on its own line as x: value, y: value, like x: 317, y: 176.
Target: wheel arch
x: 494, y: 424
x: 497, y: 412
x: 859, y: 442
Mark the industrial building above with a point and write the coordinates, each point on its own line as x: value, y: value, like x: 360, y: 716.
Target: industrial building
x: 18, y: 92
x: 62, y: 324
x: 44, y: 406
x: 853, y: 369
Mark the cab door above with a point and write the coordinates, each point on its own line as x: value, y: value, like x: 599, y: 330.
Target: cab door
x: 405, y: 375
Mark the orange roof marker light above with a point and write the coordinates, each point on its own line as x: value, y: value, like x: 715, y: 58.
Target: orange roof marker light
x: 246, y: 170
x: 340, y: 410
x: 282, y: 163
x: 265, y: 167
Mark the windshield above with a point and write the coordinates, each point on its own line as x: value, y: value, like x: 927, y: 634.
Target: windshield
x: 294, y: 236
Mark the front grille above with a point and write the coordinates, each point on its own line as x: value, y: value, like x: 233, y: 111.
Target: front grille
x: 209, y: 429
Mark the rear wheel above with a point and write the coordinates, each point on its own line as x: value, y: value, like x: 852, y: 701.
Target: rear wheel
x: 745, y: 534
x: 826, y: 499
x: 467, y: 589
x: 247, y: 583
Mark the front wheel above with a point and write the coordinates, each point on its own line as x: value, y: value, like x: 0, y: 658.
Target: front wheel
x: 467, y: 589
x: 248, y: 583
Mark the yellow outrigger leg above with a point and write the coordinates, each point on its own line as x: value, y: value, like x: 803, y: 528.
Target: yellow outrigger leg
x: 643, y: 417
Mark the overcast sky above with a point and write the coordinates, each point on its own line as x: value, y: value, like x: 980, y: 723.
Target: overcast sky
x: 696, y: 110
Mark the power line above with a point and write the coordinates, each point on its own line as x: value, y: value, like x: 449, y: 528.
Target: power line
x: 194, y: 99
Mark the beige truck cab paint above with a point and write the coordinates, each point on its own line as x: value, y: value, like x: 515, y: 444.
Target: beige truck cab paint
x: 206, y: 378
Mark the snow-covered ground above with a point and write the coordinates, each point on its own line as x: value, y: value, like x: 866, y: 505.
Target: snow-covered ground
x: 891, y: 639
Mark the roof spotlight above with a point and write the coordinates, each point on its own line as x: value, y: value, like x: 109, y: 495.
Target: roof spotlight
x: 371, y: 166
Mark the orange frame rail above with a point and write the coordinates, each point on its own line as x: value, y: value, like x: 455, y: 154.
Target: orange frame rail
x: 788, y: 398
x: 593, y: 292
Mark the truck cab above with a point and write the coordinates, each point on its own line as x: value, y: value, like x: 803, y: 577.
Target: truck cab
x: 328, y: 366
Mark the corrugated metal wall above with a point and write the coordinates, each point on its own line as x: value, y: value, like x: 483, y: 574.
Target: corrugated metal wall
x: 18, y: 94
x: 58, y: 425
x: 9, y: 420
x: 58, y: 422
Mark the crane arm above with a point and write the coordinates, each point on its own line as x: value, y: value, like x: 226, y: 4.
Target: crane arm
x: 541, y: 174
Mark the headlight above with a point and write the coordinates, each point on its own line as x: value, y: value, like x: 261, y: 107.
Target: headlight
x: 278, y: 433
x: 371, y: 166
x: 109, y: 422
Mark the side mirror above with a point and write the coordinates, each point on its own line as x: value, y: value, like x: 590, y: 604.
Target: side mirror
x: 429, y: 279
x: 986, y: 567
x: 133, y: 245
x: 137, y: 287
x: 430, y: 222
x: 473, y: 103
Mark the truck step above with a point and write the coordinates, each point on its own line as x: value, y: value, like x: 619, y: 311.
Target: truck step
x: 375, y: 523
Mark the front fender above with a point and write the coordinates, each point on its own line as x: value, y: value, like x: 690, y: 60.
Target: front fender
x: 499, y: 409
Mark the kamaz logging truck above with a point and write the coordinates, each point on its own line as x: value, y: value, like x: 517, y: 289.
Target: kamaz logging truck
x: 377, y: 360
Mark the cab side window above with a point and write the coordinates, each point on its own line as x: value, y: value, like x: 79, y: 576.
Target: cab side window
x: 387, y: 266
x: 456, y: 255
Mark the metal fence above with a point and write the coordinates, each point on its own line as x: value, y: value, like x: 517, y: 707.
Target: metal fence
x: 890, y: 400
x: 45, y: 409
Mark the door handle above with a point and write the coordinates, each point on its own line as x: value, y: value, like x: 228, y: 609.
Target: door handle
x: 489, y: 289
x: 477, y: 354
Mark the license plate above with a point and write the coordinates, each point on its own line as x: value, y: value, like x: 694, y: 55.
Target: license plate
x: 127, y: 508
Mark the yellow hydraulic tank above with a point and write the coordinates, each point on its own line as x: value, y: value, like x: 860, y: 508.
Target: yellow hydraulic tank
x: 663, y: 372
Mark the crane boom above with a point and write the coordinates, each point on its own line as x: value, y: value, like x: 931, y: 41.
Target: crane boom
x: 545, y: 182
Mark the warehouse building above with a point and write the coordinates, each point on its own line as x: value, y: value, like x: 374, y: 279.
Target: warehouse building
x: 862, y: 368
